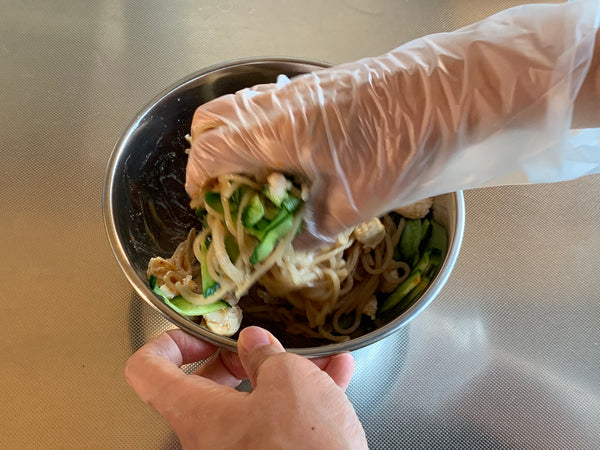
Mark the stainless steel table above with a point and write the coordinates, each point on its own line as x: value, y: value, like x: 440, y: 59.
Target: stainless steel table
x: 507, y: 356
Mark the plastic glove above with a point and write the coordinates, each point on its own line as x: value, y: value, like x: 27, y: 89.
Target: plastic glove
x: 294, y: 403
x: 487, y: 104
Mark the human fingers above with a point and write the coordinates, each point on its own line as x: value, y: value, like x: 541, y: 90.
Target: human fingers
x: 232, y: 362
x: 255, y: 346
x: 340, y: 368
x: 224, y: 368
x: 219, y: 111
x: 227, y: 365
x: 252, y: 132
x: 154, y: 370
x: 210, y: 115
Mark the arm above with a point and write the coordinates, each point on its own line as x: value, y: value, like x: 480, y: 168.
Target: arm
x: 491, y: 103
x: 587, y: 104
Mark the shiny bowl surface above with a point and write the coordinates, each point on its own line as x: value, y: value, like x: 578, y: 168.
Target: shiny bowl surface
x: 146, y: 208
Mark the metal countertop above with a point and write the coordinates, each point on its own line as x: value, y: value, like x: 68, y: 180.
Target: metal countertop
x: 507, y: 356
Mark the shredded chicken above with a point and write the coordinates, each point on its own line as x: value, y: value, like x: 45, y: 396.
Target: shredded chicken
x: 225, y: 322
x: 416, y: 210
x: 370, y: 234
x: 278, y: 185
x: 371, y: 308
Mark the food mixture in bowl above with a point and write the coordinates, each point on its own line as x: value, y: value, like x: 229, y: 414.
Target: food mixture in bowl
x: 241, y: 258
x: 372, y: 281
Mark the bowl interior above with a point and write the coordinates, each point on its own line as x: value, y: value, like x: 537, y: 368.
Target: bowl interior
x: 147, y: 209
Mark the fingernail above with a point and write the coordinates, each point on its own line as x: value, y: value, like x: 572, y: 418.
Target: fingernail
x: 253, y: 337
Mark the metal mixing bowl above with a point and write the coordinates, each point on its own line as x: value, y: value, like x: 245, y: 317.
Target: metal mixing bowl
x: 146, y: 209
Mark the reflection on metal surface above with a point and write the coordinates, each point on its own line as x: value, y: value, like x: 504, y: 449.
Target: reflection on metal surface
x: 557, y: 418
x: 410, y: 398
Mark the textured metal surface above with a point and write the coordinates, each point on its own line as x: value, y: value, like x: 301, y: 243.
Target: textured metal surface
x: 507, y: 356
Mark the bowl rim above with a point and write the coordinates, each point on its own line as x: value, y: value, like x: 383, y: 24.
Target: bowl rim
x: 142, y: 288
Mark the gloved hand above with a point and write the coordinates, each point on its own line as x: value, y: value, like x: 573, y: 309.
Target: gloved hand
x: 487, y: 104
x: 295, y: 403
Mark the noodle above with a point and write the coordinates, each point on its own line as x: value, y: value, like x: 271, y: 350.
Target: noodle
x: 263, y: 268
x: 222, y: 259
x: 321, y: 294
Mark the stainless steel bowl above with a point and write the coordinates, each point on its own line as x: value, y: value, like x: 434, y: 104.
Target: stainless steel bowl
x: 146, y: 209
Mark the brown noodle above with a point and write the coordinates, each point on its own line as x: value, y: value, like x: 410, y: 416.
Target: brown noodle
x: 321, y: 294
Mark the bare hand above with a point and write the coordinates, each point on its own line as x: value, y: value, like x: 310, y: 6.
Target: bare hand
x: 295, y: 403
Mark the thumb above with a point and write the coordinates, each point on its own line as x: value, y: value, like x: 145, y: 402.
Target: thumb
x: 255, y: 346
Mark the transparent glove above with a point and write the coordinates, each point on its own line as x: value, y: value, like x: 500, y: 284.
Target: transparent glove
x: 487, y: 104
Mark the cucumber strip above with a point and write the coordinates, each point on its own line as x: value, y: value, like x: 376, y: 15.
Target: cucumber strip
x: 401, y: 291
x: 346, y: 321
x: 263, y: 223
x: 231, y: 248
x: 253, y: 212
x: 278, y: 220
x: 183, y: 307
x: 258, y: 230
x: 266, y: 226
x: 425, y: 233
x: 425, y: 225
x: 258, y: 234
x: 200, y: 213
x: 408, y: 247
x: 186, y: 308
x: 413, y: 294
x: 209, y: 284
x: 238, y: 194
x: 424, y: 263
x: 435, y: 258
x: 291, y: 204
x: 266, y: 246
x: 271, y: 210
x: 276, y: 200
x: 213, y: 199
x: 438, y: 239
